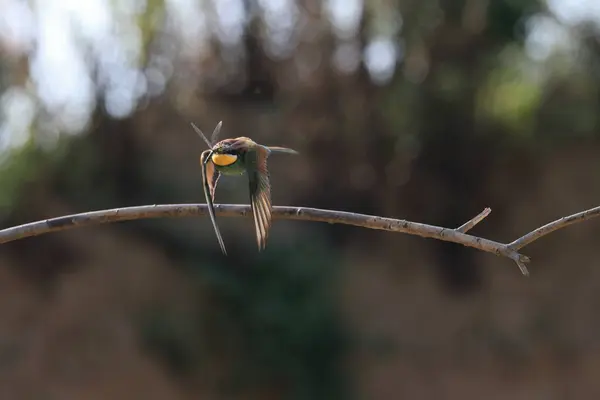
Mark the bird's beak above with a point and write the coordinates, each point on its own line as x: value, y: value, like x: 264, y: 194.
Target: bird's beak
x: 208, y: 158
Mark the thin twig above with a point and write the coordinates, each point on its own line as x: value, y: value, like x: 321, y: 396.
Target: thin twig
x: 470, y: 224
x: 553, y: 226
x: 307, y: 214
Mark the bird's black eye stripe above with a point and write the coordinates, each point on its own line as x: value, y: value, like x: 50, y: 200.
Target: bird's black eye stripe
x: 226, y: 150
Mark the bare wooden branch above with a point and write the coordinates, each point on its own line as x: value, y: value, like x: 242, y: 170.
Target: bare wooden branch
x: 553, y: 226
x: 467, y: 226
x: 457, y: 235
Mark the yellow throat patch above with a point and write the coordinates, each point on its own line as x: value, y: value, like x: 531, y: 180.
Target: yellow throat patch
x: 223, y: 160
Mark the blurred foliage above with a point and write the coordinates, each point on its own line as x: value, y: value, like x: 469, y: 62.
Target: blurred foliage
x: 275, y: 315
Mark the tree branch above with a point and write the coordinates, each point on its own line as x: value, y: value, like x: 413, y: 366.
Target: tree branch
x: 457, y: 235
x: 553, y: 226
x: 467, y: 226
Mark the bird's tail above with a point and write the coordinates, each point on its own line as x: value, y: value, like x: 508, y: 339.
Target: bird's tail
x: 276, y: 149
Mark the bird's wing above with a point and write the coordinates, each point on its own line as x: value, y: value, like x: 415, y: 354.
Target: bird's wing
x: 260, y: 192
x: 210, y: 177
x: 277, y: 149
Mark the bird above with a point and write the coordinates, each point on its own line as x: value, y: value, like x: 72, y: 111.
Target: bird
x: 239, y: 156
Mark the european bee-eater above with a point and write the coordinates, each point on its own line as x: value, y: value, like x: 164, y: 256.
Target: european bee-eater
x: 236, y: 157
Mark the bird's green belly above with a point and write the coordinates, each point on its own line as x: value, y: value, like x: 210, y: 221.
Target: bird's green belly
x: 234, y: 169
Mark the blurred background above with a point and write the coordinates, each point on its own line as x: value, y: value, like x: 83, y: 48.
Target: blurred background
x: 426, y: 110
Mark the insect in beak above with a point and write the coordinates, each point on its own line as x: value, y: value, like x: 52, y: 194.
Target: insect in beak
x: 214, y: 136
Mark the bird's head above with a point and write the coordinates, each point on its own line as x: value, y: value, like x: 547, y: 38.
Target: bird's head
x: 224, y: 154
x: 227, y: 151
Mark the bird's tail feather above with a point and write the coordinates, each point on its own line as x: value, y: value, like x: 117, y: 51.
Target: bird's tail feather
x: 276, y: 149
